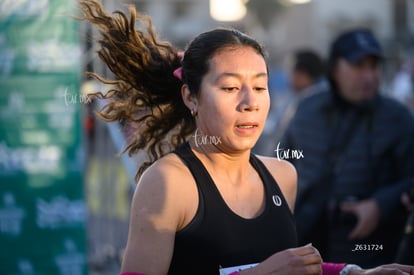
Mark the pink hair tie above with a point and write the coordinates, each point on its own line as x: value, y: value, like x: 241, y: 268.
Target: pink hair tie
x: 178, y: 73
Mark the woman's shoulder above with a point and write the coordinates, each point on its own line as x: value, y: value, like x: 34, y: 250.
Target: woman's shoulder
x: 285, y: 176
x: 275, y: 165
x: 167, y: 190
x: 167, y: 169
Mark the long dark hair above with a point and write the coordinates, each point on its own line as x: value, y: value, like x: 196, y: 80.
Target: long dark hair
x: 145, y: 93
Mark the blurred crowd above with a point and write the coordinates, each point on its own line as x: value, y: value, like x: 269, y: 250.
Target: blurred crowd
x: 355, y: 138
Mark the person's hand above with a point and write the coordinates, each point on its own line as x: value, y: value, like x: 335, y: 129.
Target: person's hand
x: 301, y: 260
x: 405, y: 200
x: 389, y: 269
x: 368, y: 215
x: 180, y: 55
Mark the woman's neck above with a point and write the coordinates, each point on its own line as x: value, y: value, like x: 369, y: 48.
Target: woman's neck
x: 233, y: 165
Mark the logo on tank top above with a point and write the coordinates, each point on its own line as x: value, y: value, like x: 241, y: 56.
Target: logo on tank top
x: 277, y: 200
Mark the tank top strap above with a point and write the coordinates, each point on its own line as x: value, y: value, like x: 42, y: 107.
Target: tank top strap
x: 196, y: 167
x: 275, y: 194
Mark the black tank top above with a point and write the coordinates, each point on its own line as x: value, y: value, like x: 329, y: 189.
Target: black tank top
x: 218, y: 237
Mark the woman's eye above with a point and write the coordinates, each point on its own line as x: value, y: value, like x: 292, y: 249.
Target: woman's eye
x: 260, y: 89
x: 230, y: 89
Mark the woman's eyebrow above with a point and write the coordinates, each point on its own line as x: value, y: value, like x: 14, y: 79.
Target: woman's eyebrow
x: 237, y: 75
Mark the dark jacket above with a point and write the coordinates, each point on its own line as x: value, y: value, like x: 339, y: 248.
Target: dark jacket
x: 351, y: 152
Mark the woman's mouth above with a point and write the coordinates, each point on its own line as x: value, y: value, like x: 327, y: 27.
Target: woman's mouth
x: 246, y: 126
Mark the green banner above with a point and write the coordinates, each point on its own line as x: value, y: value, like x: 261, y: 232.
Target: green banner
x: 38, y: 36
x: 41, y: 109
x: 42, y: 203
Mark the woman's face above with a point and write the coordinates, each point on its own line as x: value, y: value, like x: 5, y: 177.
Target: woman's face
x: 234, y: 100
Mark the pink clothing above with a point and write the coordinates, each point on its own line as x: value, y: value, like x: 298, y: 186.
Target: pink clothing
x: 331, y: 268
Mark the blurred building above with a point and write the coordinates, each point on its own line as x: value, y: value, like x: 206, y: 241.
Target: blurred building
x: 288, y: 25
x: 316, y: 23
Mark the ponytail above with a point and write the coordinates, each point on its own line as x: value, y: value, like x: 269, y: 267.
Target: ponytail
x: 145, y: 94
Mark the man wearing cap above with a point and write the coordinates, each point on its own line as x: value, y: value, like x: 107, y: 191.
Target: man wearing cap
x: 358, y: 158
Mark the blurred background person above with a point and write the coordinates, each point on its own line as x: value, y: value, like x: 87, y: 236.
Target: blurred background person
x: 402, y: 87
x: 307, y: 76
x: 358, y: 154
x: 308, y: 72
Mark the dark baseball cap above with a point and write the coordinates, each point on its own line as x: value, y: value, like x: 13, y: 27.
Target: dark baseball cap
x: 356, y: 44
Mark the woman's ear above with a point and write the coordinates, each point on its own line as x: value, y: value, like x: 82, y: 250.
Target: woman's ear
x: 189, y: 99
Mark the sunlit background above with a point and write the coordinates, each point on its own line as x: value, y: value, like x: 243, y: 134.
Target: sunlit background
x: 64, y: 191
